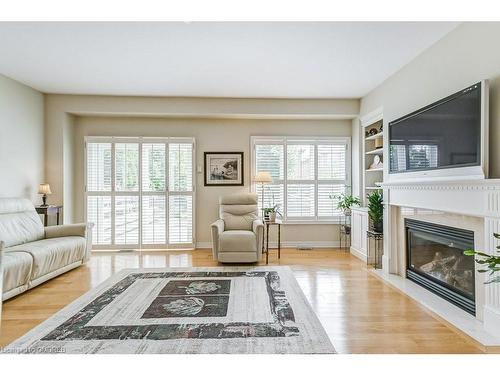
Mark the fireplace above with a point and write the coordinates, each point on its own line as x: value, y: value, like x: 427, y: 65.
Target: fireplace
x: 435, y: 260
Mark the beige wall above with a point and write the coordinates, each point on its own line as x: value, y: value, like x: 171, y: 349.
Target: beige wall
x: 210, y: 135
x: 21, y: 140
x: 465, y: 56
x: 60, y: 111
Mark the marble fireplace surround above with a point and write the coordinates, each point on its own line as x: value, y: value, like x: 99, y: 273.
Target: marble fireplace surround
x: 466, y: 204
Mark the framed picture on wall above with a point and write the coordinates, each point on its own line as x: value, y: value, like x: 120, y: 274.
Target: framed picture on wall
x: 223, y: 168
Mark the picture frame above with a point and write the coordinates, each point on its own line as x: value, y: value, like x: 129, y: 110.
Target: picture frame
x: 224, y: 168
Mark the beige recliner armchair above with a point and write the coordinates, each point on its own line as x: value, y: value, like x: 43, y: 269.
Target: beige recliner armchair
x: 237, y: 235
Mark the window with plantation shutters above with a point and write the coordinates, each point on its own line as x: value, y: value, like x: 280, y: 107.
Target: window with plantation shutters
x: 139, y: 191
x: 308, y: 175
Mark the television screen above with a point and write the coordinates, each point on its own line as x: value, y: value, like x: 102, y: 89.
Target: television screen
x: 446, y: 134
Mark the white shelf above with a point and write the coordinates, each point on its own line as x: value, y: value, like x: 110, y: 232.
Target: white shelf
x: 378, y: 151
x: 371, y: 137
x: 375, y: 170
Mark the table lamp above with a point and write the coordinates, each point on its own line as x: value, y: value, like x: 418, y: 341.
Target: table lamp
x: 263, y: 177
x: 44, y: 189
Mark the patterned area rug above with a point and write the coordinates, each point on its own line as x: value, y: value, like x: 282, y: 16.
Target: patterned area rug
x: 195, y: 310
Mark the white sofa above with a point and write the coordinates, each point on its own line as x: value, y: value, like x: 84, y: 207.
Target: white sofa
x: 237, y: 235
x: 33, y: 254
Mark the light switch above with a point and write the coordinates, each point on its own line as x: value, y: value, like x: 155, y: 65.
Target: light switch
x: 199, y: 169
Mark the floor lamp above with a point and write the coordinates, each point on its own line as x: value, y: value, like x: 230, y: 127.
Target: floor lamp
x: 262, y: 178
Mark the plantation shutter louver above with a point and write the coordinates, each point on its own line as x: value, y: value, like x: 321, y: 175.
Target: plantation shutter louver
x: 180, y: 214
x: 99, y: 167
x: 270, y: 158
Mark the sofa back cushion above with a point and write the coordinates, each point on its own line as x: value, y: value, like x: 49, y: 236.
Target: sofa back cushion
x: 19, y: 222
x: 238, y: 211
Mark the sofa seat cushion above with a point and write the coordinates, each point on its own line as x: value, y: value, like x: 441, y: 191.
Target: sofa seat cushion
x: 16, y: 269
x: 238, y: 241
x: 52, y: 254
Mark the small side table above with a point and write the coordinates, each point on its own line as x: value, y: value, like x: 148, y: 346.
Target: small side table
x: 345, y: 232
x: 377, y: 237
x: 267, y: 224
x: 47, y: 211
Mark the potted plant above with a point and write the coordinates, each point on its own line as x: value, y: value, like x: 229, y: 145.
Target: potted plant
x: 345, y: 202
x: 491, y: 262
x: 376, y: 210
x: 271, y: 212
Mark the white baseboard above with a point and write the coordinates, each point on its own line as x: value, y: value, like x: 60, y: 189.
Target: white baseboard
x: 285, y: 244
x: 358, y: 254
x: 203, y: 245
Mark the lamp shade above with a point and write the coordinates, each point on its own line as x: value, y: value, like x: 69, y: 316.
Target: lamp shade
x: 44, y: 189
x: 263, y: 177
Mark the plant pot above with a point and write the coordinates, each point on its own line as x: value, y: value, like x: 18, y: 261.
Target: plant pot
x: 272, y: 216
x: 378, y: 226
x: 347, y: 212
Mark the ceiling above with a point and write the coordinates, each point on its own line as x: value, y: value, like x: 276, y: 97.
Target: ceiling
x: 214, y: 59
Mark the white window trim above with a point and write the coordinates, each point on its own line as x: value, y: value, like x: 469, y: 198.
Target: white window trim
x: 139, y: 193
x: 285, y: 140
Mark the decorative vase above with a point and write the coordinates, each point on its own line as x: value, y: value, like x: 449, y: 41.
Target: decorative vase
x: 347, y: 212
x: 272, y: 216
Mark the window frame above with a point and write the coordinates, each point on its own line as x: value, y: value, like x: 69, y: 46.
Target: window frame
x: 316, y: 140
x: 167, y: 193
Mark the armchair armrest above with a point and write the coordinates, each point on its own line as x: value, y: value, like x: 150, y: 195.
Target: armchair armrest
x: 258, y: 229
x: 257, y: 225
x: 67, y: 230
x: 218, y: 225
x: 217, y: 228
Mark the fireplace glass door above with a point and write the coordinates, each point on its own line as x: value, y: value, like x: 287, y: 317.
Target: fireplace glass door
x: 436, y: 260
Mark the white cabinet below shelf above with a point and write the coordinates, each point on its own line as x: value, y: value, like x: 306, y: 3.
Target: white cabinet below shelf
x: 359, y: 226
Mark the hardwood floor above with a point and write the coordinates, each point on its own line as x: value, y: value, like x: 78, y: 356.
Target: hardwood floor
x: 360, y: 313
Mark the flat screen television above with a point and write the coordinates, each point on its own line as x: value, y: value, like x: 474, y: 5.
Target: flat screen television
x: 445, y: 134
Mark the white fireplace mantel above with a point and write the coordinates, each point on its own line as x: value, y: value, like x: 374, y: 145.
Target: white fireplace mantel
x: 479, y: 198
x: 474, y: 198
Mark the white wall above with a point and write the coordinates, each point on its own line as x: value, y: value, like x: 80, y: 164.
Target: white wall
x: 21, y: 140
x: 211, y: 135
x: 465, y: 56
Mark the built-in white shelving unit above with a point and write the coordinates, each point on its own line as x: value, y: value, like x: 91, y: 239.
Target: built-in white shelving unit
x: 372, y: 144
x: 373, y: 148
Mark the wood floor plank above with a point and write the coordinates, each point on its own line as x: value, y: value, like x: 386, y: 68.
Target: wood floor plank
x: 360, y: 313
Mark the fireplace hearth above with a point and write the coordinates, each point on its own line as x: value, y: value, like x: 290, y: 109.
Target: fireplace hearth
x: 435, y: 260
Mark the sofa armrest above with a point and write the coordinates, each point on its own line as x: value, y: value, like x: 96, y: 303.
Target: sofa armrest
x: 66, y: 230
x: 79, y: 230
x: 217, y: 228
x: 1, y: 279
